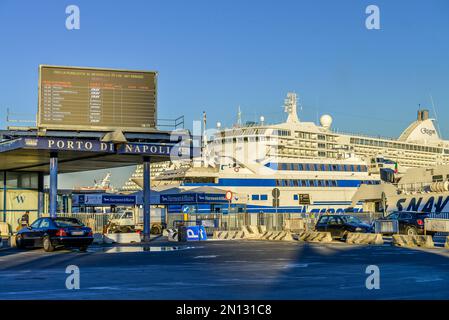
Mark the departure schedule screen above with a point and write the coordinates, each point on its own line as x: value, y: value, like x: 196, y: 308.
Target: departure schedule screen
x: 85, y: 98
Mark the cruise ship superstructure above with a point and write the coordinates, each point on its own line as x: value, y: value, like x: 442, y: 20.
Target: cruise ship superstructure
x: 314, y: 167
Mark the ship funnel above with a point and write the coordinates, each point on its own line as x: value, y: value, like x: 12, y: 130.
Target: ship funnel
x: 423, y: 115
x: 290, y: 108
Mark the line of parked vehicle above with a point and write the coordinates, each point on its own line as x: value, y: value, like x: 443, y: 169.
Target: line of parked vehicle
x: 409, y: 223
x: 52, y: 233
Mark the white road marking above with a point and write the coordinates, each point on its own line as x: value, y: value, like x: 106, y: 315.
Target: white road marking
x: 296, y: 265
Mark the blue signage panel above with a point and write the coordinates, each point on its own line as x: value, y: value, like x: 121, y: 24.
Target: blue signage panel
x: 192, y: 198
x: 119, y: 199
x: 58, y: 144
x: 196, y: 233
x: 178, y: 198
x: 86, y: 145
x: 63, y: 144
x: 102, y: 199
x: 174, y: 208
x: 211, y: 197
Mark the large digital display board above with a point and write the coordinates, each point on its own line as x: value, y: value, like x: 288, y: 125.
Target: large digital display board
x: 96, y: 99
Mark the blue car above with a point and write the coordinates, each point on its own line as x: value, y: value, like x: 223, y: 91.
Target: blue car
x: 52, y: 233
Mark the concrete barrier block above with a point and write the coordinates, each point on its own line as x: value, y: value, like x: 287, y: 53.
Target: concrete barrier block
x: 220, y: 235
x: 253, y: 229
x: 285, y: 236
x: 315, y: 236
x: 267, y: 235
x: 273, y: 235
x: 228, y: 235
x: 132, y: 237
x: 401, y: 240
x: 4, y: 229
x: 246, y: 230
x: 12, y: 241
x: 364, y: 238
x: 98, y: 238
x: 251, y: 232
x: 277, y: 236
x: 239, y: 235
x: 173, y: 236
x: 231, y: 235
x: 251, y: 235
x: 262, y: 229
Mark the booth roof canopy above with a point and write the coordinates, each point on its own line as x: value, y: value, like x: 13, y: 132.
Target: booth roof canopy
x: 28, y: 151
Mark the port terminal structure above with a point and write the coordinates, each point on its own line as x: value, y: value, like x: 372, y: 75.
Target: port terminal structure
x: 28, y: 154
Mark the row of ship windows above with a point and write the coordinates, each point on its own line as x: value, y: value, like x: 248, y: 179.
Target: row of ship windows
x: 315, y: 183
x: 399, y: 155
x: 404, y: 146
x: 321, y: 167
x: 305, y: 135
x: 264, y: 197
x: 261, y: 197
x: 243, y: 139
x: 280, y: 133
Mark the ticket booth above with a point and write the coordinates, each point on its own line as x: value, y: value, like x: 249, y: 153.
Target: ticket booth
x: 20, y: 193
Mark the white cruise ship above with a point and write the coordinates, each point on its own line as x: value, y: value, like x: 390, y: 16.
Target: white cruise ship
x: 315, y: 168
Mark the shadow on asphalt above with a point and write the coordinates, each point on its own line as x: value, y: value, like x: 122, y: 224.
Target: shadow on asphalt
x: 265, y: 269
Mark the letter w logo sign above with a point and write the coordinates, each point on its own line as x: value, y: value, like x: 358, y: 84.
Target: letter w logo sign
x: 20, y: 198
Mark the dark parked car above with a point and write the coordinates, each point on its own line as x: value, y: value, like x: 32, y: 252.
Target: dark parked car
x: 410, y: 223
x: 51, y: 233
x: 340, y: 225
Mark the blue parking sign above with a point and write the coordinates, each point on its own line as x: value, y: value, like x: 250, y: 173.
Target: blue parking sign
x: 196, y: 233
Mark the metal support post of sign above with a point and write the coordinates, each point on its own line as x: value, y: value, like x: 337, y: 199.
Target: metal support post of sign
x: 53, y: 183
x: 229, y: 214
x: 41, y: 195
x: 146, y: 199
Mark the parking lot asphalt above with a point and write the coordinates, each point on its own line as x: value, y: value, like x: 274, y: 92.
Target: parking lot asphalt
x: 227, y: 270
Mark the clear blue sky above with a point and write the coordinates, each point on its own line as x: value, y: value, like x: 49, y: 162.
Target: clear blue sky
x: 214, y: 55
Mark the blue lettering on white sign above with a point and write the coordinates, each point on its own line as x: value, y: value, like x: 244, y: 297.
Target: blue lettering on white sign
x: 432, y: 204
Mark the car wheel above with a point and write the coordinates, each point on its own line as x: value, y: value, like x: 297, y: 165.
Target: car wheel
x: 48, y: 246
x: 156, y: 229
x: 19, y: 242
x: 83, y: 248
x: 411, y: 231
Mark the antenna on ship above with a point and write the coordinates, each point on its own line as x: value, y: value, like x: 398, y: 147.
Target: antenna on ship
x: 204, y: 138
x: 290, y: 107
x: 239, y: 117
x: 436, y: 116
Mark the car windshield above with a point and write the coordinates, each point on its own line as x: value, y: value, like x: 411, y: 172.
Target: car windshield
x: 67, y: 222
x: 351, y: 219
